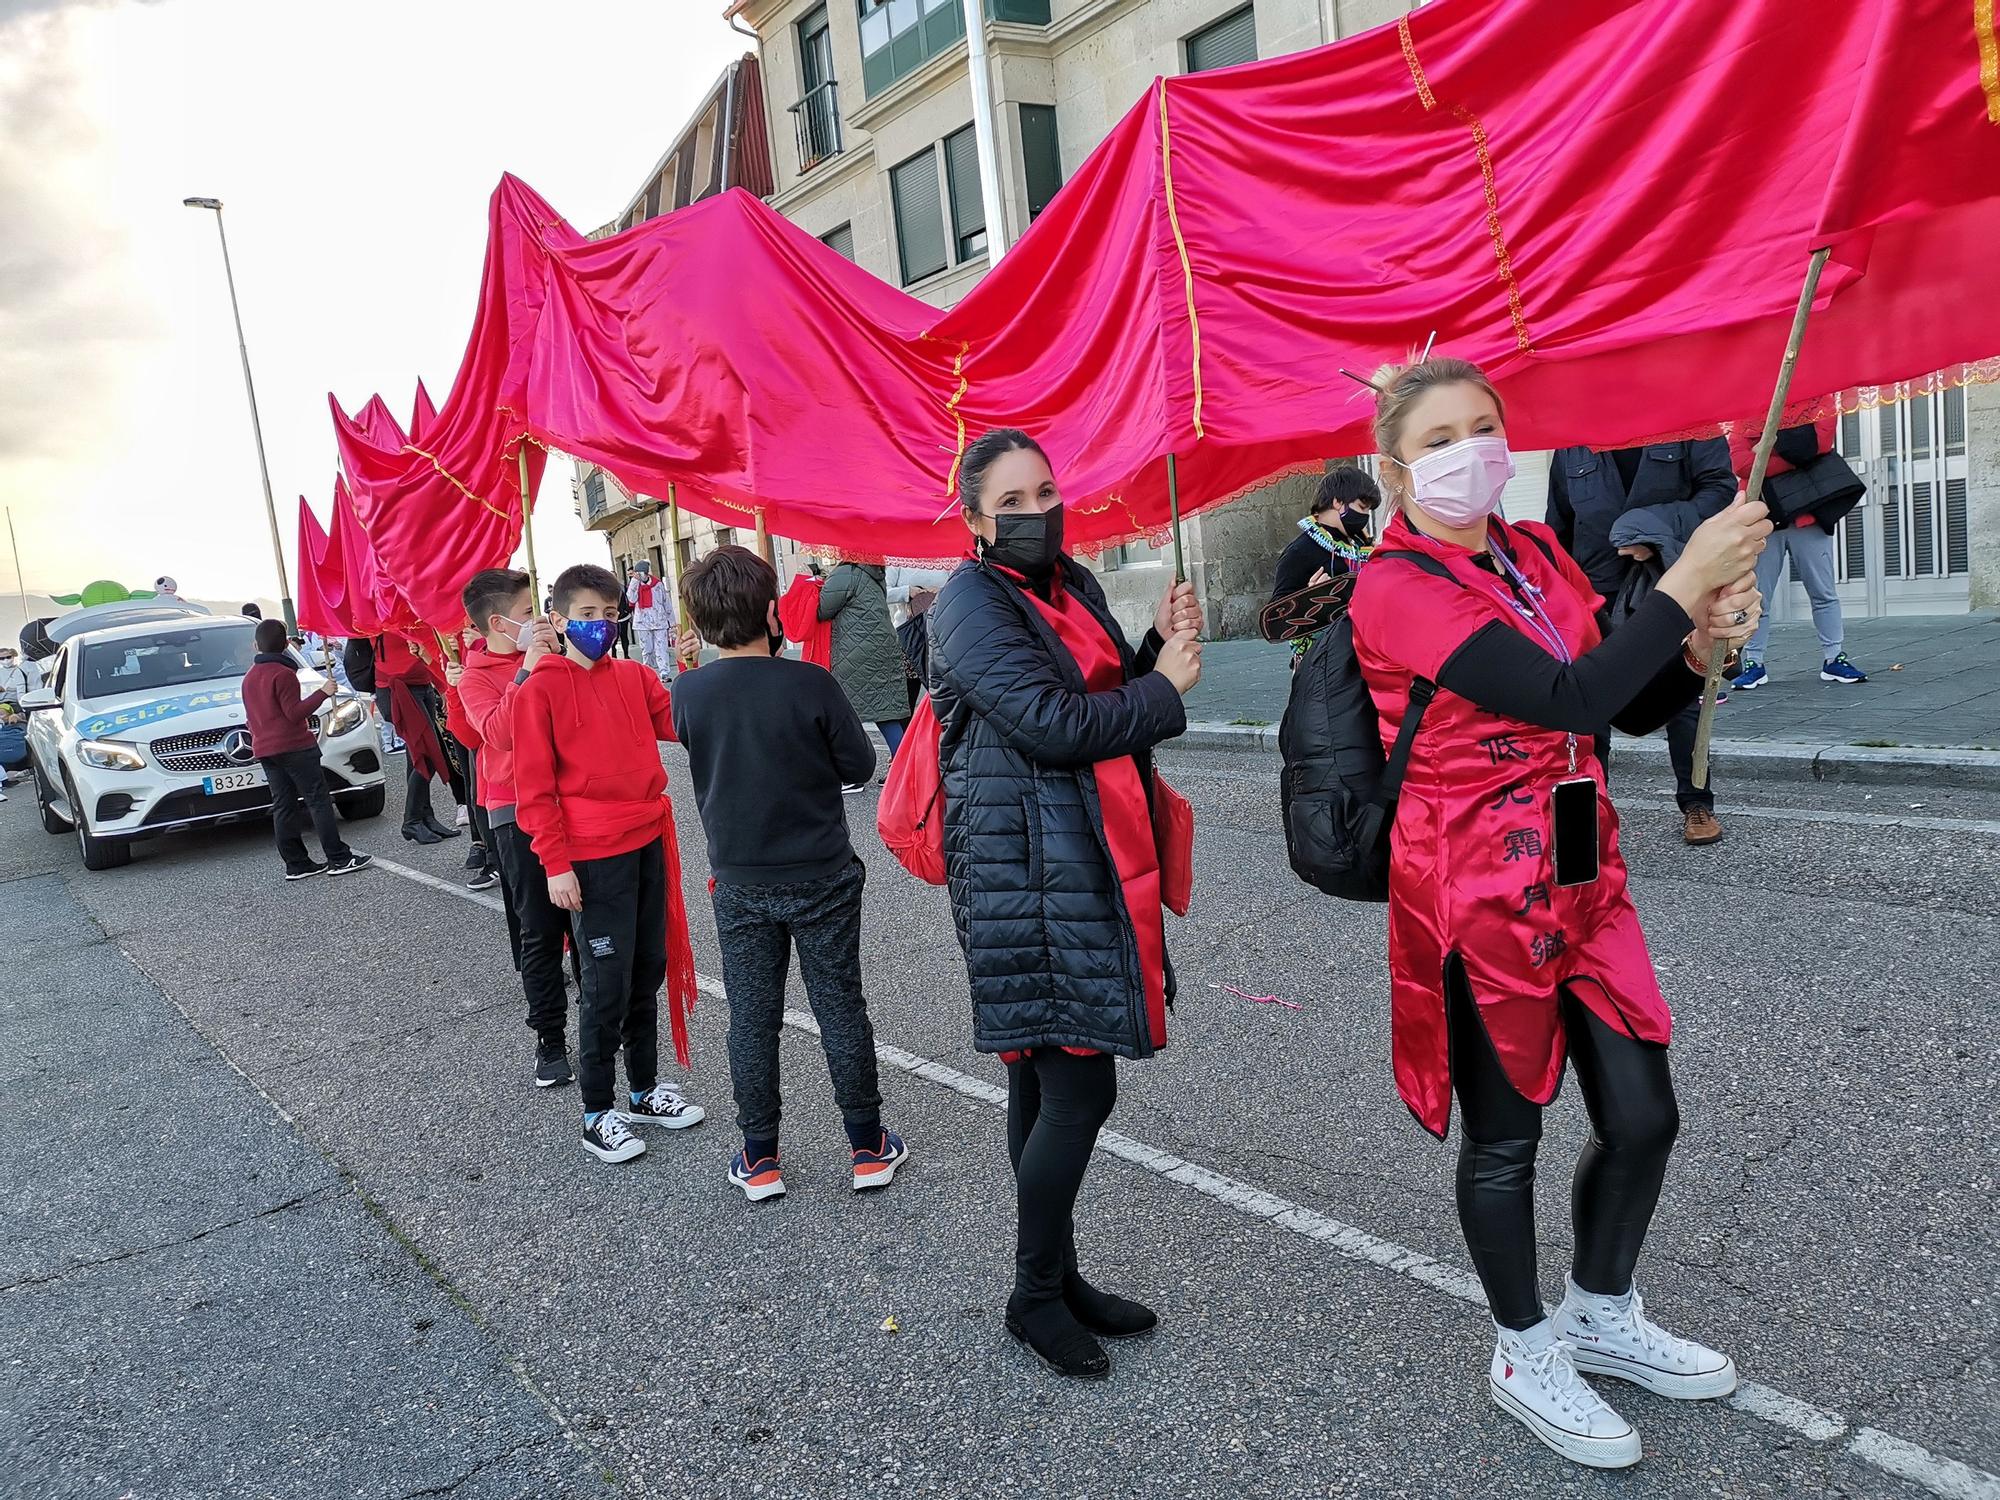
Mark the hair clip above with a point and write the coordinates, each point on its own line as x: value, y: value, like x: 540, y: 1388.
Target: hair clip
x: 1360, y: 380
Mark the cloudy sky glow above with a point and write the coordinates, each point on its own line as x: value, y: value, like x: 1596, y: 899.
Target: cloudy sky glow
x: 355, y: 146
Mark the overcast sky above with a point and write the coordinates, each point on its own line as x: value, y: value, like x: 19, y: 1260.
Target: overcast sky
x: 355, y: 146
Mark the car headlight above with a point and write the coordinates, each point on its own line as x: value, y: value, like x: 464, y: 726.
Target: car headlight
x: 109, y: 755
x: 346, y: 717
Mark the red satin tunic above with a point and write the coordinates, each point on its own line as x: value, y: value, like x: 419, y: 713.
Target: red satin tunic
x: 1471, y: 873
x: 1128, y: 819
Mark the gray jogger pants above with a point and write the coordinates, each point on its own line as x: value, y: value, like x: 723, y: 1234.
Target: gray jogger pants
x: 757, y: 926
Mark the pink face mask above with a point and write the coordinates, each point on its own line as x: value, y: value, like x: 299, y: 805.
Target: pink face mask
x: 1461, y: 485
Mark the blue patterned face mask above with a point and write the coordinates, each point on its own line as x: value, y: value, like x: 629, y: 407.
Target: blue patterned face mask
x: 592, y: 637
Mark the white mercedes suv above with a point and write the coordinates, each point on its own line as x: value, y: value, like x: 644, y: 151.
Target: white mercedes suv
x: 141, y: 730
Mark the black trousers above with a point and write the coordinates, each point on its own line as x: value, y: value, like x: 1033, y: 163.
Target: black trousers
x: 1056, y: 1104
x: 542, y: 928
x: 621, y: 934
x: 296, y: 777
x: 482, y: 827
x: 757, y: 926
x: 1629, y: 1094
x: 1680, y: 751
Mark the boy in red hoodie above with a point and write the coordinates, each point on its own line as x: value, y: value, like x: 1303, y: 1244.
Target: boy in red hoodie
x: 501, y: 605
x: 590, y: 793
x: 285, y: 743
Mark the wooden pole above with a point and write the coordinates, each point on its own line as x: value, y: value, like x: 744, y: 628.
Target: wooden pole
x: 674, y: 526
x: 528, y: 533
x: 1753, y: 491
x: 20, y: 581
x: 764, y: 540
x: 1174, y: 512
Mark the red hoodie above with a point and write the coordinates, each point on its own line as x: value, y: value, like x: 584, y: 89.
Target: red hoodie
x: 279, y: 717
x: 486, y: 694
x: 587, y: 773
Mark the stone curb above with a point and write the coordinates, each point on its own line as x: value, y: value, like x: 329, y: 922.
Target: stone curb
x: 1756, y: 759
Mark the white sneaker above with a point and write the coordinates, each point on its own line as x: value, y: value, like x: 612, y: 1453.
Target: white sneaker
x: 1613, y: 1336
x: 1536, y: 1383
x: 663, y: 1105
x: 609, y: 1138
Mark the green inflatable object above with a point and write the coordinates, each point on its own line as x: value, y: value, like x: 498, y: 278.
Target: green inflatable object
x: 103, y: 591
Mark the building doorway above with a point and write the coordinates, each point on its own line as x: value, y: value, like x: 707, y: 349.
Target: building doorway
x: 1904, y: 550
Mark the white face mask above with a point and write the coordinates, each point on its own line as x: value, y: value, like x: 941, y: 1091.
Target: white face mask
x: 1461, y: 485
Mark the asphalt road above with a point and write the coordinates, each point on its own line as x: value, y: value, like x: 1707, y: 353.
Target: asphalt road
x: 1829, y: 1217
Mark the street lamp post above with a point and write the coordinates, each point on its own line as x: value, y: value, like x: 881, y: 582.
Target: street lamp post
x: 256, y: 427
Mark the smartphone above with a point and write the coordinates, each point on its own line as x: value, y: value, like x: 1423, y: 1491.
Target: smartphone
x: 1573, y: 810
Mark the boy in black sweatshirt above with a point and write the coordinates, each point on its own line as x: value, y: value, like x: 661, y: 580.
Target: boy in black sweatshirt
x: 770, y: 742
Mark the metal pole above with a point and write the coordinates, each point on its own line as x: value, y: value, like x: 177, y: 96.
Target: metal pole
x: 1753, y: 491
x: 257, y: 428
x: 1174, y: 510
x: 982, y: 131
x: 528, y: 529
x: 19, y: 581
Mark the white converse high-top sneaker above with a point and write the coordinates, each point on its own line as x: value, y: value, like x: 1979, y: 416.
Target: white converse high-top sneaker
x: 1613, y: 1336
x: 1534, y: 1382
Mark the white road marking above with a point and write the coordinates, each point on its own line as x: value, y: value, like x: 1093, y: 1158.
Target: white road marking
x: 477, y: 898
x: 1777, y: 813
x: 1826, y: 815
x: 1944, y: 1477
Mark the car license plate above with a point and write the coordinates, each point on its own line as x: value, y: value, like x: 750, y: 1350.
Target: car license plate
x: 233, y: 781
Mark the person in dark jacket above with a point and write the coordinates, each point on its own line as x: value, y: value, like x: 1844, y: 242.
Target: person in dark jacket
x: 281, y: 734
x: 1048, y: 720
x: 1332, y: 538
x: 1663, y: 490
x: 867, y: 658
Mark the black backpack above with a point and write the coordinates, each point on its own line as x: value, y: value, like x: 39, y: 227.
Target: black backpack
x: 1338, y: 790
x: 358, y: 662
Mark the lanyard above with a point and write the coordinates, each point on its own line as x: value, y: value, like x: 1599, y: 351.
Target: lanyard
x: 1529, y: 602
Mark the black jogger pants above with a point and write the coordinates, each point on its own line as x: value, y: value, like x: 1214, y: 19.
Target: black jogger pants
x: 1629, y: 1094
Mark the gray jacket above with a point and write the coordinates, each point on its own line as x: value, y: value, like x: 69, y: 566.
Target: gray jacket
x: 867, y: 662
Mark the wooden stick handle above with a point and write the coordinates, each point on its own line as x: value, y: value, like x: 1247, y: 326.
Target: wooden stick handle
x: 1753, y: 491
x: 528, y: 532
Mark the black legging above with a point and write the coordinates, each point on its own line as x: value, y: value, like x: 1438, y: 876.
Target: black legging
x: 1056, y: 1104
x: 1629, y: 1094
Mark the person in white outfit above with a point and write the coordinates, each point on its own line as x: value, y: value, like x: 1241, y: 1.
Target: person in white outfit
x: 18, y: 678
x: 652, y: 608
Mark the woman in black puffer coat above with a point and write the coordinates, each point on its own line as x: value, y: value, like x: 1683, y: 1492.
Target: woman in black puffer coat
x: 1048, y: 722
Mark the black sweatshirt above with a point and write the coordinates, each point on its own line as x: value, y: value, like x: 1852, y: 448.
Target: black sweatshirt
x: 770, y: 741
x: 1634, y: 680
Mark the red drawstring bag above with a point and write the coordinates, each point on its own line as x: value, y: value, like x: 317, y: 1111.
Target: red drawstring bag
x: 1173, y: 838
x: 911, y: 816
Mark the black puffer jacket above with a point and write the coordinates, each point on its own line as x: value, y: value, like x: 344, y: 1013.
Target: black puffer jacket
x: 1034, y: 894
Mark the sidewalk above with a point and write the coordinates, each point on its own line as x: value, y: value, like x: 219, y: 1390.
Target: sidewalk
x: 1931, y: 702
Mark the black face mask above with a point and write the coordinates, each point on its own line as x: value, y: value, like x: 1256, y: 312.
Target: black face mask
x: 1355, y: 523
x: 777, y: 640
x: 1029, y: 544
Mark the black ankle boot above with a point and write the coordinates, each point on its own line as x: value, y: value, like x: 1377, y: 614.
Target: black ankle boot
x: 1052, y: 1331
x: 1104, y: 1313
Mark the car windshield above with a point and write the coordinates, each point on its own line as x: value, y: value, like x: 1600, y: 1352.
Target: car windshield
x: 167, y: 658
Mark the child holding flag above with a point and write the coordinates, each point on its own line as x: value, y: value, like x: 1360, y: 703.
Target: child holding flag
x: 590, y: 794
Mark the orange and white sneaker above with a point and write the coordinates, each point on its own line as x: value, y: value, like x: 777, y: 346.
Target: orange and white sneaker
x: 759, y: 1179
x: 877, y: 1168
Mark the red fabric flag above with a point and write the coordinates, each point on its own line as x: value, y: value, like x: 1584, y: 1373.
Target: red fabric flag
x: 1609, y: 204
x: 798, y: 614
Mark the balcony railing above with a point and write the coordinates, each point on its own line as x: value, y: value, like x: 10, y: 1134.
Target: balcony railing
x: 816, y: 118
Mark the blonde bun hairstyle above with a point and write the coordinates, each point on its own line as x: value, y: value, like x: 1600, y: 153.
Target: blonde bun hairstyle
x: 1398, y: 388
